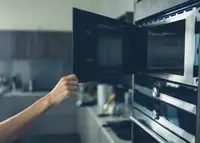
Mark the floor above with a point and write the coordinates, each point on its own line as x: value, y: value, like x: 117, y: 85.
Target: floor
x: 50, y: 139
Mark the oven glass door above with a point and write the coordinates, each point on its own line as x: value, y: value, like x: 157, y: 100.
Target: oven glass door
x: 140, y: 136
x: 179, y: 91
x: 147, y: 130
x: 178, y: 117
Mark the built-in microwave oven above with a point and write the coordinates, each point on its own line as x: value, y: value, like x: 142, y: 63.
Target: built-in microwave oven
x: 104, y: 46
x: 184, y: 21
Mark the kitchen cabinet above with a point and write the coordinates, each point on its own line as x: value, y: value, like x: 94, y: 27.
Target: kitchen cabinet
x: 26, y: 44
x: 62, y: 119
x: 6, y: 108
x: 43, y: 45
x: 7, y: 45
x: 35, y: 45
x: 56, y: 45
x: 89, y: 129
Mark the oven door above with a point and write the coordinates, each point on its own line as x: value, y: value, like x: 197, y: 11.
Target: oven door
x: 179, y: 120
x: 145, y: 130
x: 171, y: 43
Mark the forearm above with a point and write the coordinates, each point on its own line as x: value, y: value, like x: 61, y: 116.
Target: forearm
x: 10, y: 129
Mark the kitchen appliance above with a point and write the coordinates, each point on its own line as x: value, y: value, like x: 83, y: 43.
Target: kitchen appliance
x: 183, y: 23
x: 163, y: 111
x: 104, y: 46
x: 165, y: 105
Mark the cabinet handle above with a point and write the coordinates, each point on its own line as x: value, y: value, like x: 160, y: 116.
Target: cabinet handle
x: 151, y: 133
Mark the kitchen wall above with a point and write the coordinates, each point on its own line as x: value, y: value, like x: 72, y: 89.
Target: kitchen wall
x: 116, y: 8
x: 53, y: 15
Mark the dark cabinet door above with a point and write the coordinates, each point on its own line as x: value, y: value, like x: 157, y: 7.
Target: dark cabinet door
x: 56, y: 45
x: 39, y: 45
x: 7, y: 45
x: 26, y: 45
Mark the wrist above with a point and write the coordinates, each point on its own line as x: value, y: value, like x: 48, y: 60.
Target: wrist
x: 46, y: 102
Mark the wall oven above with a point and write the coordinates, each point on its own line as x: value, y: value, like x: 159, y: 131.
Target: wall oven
x: 163, y: 111
x: 174, y: 31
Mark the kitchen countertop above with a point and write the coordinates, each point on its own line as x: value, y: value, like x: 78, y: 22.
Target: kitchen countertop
x: 103, y: 120
x: 22, y: 93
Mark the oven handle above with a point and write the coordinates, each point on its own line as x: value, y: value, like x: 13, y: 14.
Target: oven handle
x: 191, y: 108
x: 159, y: 139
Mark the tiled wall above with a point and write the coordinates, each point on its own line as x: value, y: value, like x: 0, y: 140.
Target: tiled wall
x: 44, y: 73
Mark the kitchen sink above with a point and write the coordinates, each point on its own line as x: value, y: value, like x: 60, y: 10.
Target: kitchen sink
x: 122, y: 129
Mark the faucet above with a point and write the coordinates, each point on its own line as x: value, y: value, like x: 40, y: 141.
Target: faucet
x: 4, y: 84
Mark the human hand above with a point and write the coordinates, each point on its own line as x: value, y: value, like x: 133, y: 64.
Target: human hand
x: 67, y: 86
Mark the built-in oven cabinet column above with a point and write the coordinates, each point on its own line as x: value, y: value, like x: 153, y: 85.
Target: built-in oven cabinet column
x: 198, y: 102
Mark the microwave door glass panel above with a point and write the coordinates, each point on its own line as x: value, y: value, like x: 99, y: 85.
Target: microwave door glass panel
x: 109, y: 47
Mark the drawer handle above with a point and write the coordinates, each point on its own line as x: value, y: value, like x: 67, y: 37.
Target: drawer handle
x: 167, y: 99
x: 151, y: 133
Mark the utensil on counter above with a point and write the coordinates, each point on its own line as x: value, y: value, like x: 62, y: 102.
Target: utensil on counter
x: 108, y: 104
x: 103, y: 93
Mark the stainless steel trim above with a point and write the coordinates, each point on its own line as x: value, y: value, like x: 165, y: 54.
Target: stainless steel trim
x: 168, y: 125
x: 133, y: 86
x: 171, y: 77
x: 168, y: 99
x: 154, y: 135
x: 198, y: 14
x: 189, y: 46
x: 152, y: 126
x: 170, y: 19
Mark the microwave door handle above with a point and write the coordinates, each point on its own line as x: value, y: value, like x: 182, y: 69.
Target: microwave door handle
x: 159, y: 139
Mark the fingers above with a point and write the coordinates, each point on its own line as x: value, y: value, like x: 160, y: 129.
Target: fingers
x: 72, y: 83
x: 72, y: 93
x: 70, y: 77
x: 73, y: 88
x: 69, y: 83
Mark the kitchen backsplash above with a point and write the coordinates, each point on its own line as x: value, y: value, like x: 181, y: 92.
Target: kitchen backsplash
x: 44, y: 73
